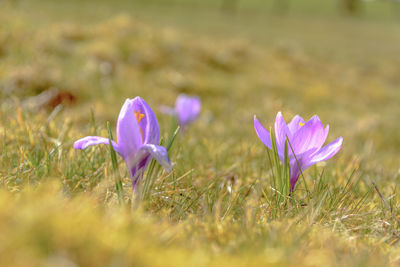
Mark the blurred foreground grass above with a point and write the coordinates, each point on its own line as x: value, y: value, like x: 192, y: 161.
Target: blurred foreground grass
x: 58, y: 206
x: 42, y: 227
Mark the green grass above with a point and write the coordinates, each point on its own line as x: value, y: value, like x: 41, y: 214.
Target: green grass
x: 218, y: 206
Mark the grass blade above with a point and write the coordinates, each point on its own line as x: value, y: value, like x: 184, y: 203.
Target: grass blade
x: 118, y: 182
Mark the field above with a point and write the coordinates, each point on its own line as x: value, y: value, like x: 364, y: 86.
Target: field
x: 66, y: 68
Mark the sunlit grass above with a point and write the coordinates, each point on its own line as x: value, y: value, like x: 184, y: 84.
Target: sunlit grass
x: 218, y: 206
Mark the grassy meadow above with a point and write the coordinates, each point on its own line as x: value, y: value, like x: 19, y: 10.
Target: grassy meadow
x: 66, y: 68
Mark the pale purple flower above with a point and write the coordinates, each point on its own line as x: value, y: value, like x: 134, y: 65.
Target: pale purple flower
x: 138, y: 137
x: 306, y: 139
x: 187, y: 109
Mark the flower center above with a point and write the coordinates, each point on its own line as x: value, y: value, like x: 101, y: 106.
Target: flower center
x: 301, y: 124
x: 139, y: 116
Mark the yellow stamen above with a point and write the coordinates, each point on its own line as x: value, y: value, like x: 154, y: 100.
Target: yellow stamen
x: 139, y: 116
x: 301, y: 123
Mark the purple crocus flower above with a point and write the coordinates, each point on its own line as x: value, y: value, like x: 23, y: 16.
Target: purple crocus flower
x: 138, y: 136
x: 306, y: 139
x: 187, y: 109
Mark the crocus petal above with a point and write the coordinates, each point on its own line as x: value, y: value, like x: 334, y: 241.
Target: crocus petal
x: 296, y: 123
x: 128, y: 131
x: 187, y: 108
x: 137, y: 171
x: 143, y: 157
x: 311, y: 135
x: 196, y: 106
x: 87, y: 141
x: 262, y: 133
x: 299, y: 164
x: 294, y: 173
x: 326, y: 152
x: 281, y: 132
x: 147, y: 121
x: 159, y: 153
